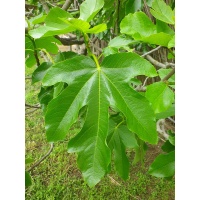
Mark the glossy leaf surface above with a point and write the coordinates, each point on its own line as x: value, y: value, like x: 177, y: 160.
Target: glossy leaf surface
x: 97, y: 89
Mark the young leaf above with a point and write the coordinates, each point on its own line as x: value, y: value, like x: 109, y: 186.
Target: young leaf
x: 98, y: 88
x: 54, y: 25
x: 89, y: 8
x: 160, y: 96
x: 162, y: 11
x: 163, y: 165
x: 37, y: 19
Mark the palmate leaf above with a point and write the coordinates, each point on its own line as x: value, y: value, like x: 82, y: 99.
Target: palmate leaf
x: 98, y: 88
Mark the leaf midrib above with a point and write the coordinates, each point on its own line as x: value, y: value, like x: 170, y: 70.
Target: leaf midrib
x: 125, y: 103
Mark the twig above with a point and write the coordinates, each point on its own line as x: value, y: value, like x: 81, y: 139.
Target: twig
x: 147, y: 53
x: 96, y: 47
x: 171, y: 119
x: 68, y: 41
x: 159, y: 64
x: 50, y: 4
x: 114, y: 181
x: 171, y: 73
x: 43, y: 158
x: 32, y: 106
x: 45, y: 6
x: 32, y: 111
x: 155, y: 62
x: 35, y: 50
x: 28, y: 77
x: 66, y: 4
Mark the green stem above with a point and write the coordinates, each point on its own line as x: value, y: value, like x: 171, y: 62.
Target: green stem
x: 87, y: 44
x: 35, y: 50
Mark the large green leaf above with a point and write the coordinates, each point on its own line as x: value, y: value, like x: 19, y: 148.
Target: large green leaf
x: 98, y: 88
x: 160, y: 96
x: 162, y: 12
x: 89, y: 8
x: 141, y: 28
x: 163, y: 165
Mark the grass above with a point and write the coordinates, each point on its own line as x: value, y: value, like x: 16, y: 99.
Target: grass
x: 58, y: 178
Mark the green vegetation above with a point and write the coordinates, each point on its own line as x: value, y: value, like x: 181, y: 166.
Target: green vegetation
x: 58, y: 178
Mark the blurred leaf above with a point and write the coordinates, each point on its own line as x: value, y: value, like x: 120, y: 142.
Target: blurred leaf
x: 168, y: 147
x: 28, y: 181
x: 141, y: 28
x: 171, y: 42
x: 162, y: 11
x: 38, y: 19
x: 54, y: 25
x: 133, y: 6
x: 163, y: 27
x: 137, y: 25
x: 163, y: 165
x: 89, y: 8
x: 28, y: 160
x: 120, y: 41
x: 168, y: 113
x: 48, y: 43
x: 163, y: 72
x: 160, y: 96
